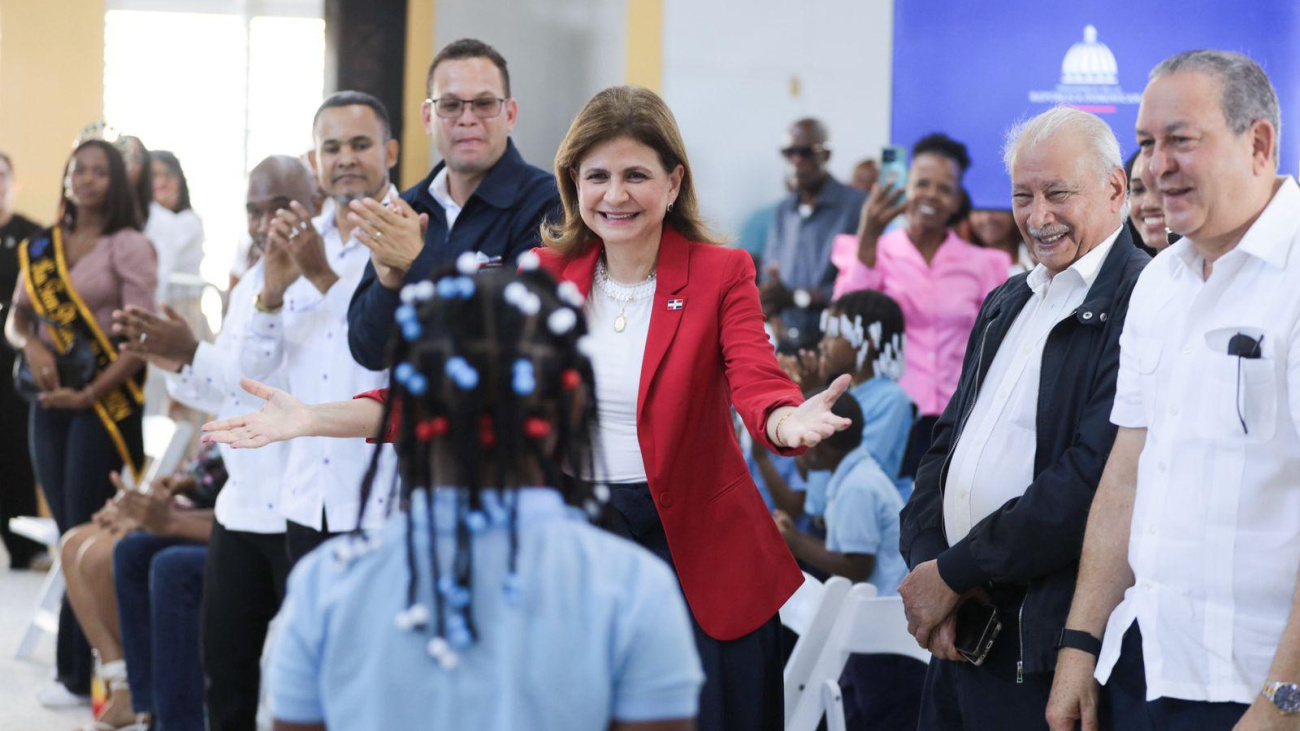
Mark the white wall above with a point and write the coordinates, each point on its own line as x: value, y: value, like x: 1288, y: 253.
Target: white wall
x: 729, y: 71
x: 559, y: 52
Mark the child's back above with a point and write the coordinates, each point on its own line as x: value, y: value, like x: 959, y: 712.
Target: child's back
x: 597, y: 630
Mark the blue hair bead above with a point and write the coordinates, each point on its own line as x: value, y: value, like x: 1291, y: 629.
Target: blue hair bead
x: 411, y: 330
x: 512, y: 590
x: 417, y: 384
x: 403, y: 372
x: 406, y: 313
x: 446, y: 288
x: 466, y: 287
x: 459, y: 637
x: 476, y: 521
x: 456, y: 621
x: 459, y: 598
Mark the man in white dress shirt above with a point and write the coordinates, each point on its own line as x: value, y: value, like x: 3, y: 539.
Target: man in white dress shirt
x: 1002, y: 497
x: 300, y: 325
x: 1189, y: 572
x: 247, y: 565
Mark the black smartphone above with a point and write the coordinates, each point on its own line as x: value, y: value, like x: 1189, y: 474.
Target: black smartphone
x: 978, y: 625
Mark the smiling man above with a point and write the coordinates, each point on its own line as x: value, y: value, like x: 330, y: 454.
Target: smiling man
x: 1188, y: 585
x: 482, y: 197
x: 1001, y: 498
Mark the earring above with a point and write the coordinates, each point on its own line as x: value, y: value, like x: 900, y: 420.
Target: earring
x: 670, y: 207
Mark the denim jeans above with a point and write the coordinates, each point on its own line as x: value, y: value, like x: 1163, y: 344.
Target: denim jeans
x: 159, y: 591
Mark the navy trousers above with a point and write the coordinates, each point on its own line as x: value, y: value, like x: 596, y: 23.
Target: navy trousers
x: 73, y: 454
x: 743, y: 686
x: 159, y: 584
x: 1124, y: 704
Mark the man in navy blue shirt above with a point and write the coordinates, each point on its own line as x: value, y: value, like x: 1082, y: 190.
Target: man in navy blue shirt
x: 482, y: 197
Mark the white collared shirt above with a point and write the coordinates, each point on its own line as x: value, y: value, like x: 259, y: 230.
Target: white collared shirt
x: 307, y: 340
x: 441, y: 192
x: 993, y: 461
x: 1215, y: 540
x: 250, y: 501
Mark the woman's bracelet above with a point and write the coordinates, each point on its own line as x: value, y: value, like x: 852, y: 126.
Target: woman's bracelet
x: 780, y: 441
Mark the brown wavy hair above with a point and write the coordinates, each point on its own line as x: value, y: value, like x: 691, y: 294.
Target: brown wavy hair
x: 618, y: 112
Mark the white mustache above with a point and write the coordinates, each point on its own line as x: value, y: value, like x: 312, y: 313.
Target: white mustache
x: 1048, y: 232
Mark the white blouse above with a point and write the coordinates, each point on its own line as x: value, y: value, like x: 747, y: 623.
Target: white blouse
x: 616, y: 359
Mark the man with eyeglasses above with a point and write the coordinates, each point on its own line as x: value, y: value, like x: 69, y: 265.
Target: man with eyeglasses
x: 481, y: 198
x: 797, y: 272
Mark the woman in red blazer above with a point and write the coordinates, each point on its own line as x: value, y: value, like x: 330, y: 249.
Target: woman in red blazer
x: 676, y: 339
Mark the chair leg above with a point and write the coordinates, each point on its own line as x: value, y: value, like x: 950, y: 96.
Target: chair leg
x: 833, y: 702
x: 45, y: 616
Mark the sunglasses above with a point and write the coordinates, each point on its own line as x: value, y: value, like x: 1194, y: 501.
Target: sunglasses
x: 802, y: 151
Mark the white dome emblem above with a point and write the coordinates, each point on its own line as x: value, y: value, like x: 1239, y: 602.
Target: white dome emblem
x: 1090, y: 62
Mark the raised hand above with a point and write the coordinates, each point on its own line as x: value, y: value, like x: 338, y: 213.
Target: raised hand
x: 813, y: 421
x: 279, y: 270
x: 394, y: 233
x: 293, y: 230
x: 882, y: 206
x: 282, y: 417
x: 167, y: 341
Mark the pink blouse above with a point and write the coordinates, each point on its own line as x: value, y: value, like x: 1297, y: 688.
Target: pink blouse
x: 121, y: 270
x: 940, y: 302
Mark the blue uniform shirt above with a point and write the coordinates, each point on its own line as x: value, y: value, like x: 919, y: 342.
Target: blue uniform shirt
x: 601, y: 632
x: 862, y: 507
x: 887, y: 416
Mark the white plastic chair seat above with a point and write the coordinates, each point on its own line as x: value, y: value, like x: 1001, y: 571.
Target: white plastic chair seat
x: 866, y: 625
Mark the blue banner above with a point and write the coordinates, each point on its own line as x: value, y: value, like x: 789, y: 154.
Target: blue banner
x: 972, y: 70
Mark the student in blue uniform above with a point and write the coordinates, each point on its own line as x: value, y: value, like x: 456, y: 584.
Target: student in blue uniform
x: 881, y: 692
x: 490, y: 602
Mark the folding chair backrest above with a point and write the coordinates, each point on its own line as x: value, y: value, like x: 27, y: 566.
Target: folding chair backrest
x: 810, y: 613
x: 880, y: 627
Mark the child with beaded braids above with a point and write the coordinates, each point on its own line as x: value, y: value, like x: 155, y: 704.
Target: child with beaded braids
x: 489, y: 602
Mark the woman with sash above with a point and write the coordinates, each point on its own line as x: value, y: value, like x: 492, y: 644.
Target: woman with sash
x: 93, y: 261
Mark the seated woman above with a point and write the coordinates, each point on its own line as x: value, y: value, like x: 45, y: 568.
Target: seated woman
x: 87, y: 553
x: 489, y: 603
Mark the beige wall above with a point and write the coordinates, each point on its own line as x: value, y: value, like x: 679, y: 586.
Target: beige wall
x: 51, y: 85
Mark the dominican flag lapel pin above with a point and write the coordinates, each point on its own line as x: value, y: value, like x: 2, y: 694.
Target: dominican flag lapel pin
x: 676, y: 304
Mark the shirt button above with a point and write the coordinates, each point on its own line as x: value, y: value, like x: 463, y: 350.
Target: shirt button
x: 665, y: 500
x: 1187, y: 348
x: 1162, y: 467
x: 1151, y: 531
x: 1146, y: 584
x: 1173, y: 411
x: 962, y: 494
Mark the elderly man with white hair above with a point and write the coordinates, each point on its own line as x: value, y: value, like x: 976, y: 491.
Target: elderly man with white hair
x: 994, y: 530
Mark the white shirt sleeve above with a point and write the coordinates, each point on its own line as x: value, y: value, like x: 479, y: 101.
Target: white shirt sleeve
x: 262, y: 350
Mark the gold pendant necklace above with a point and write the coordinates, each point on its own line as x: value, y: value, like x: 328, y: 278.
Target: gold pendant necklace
x: 622, y: 293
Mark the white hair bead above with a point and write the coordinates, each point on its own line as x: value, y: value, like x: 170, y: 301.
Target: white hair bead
x: 562, y: 320
x: 529, y: 260
x: 467, y: 263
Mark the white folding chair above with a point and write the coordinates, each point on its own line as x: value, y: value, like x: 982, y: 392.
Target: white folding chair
x: 809, y: 612
x: 866, y: 625
x: 165, y: 445
x: 45, y: 616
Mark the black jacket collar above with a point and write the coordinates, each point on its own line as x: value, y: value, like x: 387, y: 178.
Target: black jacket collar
x: 500, y: 187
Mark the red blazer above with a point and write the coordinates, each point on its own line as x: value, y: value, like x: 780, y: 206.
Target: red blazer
x: 705, y: 354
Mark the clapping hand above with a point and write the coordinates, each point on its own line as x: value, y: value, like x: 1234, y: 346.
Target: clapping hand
x: 813, y: 421
x: 772, y: 293
x: 282, y: 417
x: 167, y: 341
x: 292, y: 231
x: 394, y: 234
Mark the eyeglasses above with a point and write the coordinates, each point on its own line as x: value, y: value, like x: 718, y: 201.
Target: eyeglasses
x: 805, y: 151
x: 449, y: 107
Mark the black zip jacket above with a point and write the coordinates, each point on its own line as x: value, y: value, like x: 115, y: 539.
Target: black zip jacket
x: 501, y: 219
x: 1031, y: 545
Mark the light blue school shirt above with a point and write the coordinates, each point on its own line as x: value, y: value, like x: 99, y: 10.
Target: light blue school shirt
x: 862, y: 507
x: 601, y: 632
x: 887, y: 417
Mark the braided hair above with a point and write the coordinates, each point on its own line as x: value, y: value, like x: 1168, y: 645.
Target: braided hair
x: 873, y: 324
x: 490, y: 373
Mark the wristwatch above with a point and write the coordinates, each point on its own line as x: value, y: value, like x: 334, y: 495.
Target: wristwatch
x: 802, y: 298
x: 257, y: 304
x: 1079, y: 640
x: 1286, y: 696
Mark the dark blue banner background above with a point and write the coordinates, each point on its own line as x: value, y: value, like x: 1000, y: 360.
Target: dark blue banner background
x: 970, y: 69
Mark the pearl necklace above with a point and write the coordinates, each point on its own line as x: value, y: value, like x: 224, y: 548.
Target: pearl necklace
x: 623, y: 293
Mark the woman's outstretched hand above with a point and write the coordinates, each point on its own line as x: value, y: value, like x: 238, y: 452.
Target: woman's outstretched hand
x: 283, y: 417
x: 813, y: 421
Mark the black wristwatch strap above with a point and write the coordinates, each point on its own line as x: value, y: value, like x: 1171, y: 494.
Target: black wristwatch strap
x: 1079, y: 640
